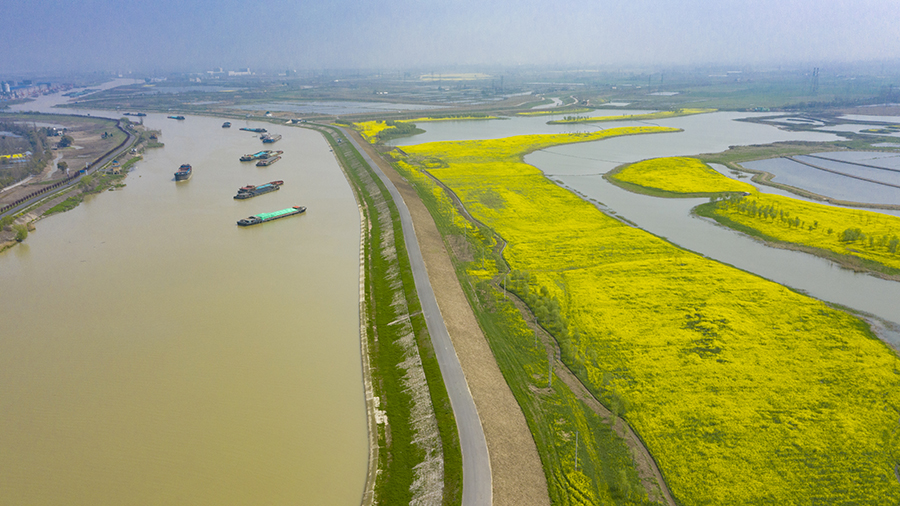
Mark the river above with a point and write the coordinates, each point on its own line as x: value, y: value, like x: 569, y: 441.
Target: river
x: 153, y: 352
x: 580, y: 167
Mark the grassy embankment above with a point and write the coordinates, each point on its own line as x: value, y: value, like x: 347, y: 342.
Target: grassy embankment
x: 392, y: 317
x: 744, y: 391
x: 630, y: 117
x: 95, y: 183
x: 858, y: 239
x: 557, y: 416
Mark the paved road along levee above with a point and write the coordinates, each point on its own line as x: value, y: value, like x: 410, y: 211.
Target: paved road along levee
x: 476, y: 462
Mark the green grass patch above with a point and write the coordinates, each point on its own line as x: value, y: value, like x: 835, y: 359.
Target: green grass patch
x: 398, y: 453
x: 66, y: 205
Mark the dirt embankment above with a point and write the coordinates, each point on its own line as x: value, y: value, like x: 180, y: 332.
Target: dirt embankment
x: 517, y: 475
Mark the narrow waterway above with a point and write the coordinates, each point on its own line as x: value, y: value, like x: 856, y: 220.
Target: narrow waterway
x: 153, y: 352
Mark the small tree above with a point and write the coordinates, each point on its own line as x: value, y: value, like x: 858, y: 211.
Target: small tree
x: 62, y: 166
x: 21, y: 232
x: 65, y: 141
x: 86, y: 182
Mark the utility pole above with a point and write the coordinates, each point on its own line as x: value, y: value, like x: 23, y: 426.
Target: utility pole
x: 576, y: 451
x: 550, y: 368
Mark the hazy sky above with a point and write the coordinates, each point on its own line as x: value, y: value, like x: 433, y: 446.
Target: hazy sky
x: 53, y: 35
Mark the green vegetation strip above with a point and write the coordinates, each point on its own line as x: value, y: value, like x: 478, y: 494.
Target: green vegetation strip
x: 399, y: 454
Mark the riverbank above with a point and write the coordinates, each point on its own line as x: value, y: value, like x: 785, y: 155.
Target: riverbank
x: 516, y: 472
x: 414, y: 447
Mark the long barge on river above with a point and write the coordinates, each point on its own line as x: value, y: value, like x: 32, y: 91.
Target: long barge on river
x: 254, y: 130
x: 251, y: 191
x: 184, y: 172
x: 264, y: 217
x: 261, y: 155
x: 267, y: 161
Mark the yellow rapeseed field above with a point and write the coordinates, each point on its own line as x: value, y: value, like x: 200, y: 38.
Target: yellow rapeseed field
x: 370, y: 129
x: 862, y: 234
x: 745, y: 392
x: 449, y: 118
x: 633, y: 117
x: 867, y: 235
x: 678, y: 175
x: 546, y: 112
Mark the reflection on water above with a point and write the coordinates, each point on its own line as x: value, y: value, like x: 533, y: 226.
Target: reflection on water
x: 154, y: 352
x: 848, y: 182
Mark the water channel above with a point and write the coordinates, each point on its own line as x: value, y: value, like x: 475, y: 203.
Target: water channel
x: 153, y: 352
x: 580, y: 167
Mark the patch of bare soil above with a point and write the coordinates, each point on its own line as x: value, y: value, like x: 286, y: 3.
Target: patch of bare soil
x: 516, y: 471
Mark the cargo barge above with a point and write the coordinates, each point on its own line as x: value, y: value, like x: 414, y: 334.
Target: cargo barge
x: 255, y: 130
x: 251, y: 191
x: 267, y: 162
x: 176, y: 117
x: 264, y: 217
x: 270, y: 138
x: 261, y: 155
x: 184, y: 172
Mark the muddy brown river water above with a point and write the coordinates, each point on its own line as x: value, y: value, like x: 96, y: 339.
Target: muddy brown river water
x: 153, y: 352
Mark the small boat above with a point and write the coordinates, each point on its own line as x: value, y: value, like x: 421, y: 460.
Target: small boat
x: 251, y: 191
x: 267, y: 161
x: 227, y: 124
x: 264, y: 217
x: 184, y: 172
x: 176, y: 117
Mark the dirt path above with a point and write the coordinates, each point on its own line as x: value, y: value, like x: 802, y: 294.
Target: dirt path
x: 517, y: 475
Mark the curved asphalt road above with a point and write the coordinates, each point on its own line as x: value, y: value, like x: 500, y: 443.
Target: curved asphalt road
x: 476, y: 462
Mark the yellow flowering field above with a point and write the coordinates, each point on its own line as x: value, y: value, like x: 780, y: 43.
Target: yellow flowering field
x: 632, y: 117
x: 370, y: 129
x: 678, y: 174
x: 866, y: 235
x: 546, y: 112
x: 450, y: 118
x: 744, y: 391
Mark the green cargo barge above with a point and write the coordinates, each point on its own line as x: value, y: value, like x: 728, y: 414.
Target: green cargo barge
x: 264, y: 217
